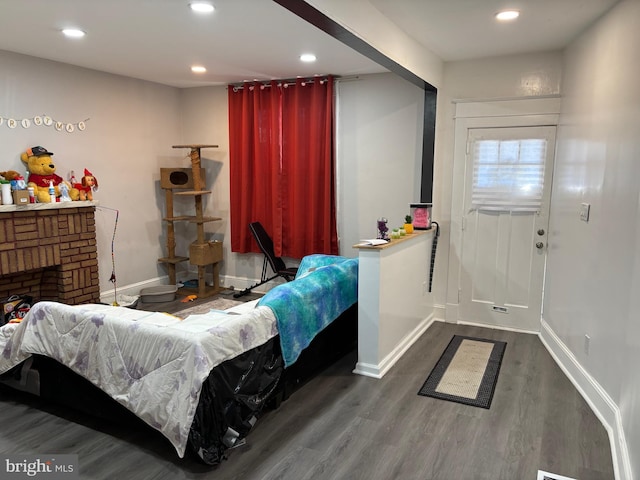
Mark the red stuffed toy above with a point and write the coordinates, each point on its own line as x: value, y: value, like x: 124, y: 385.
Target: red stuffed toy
x: 87, y: 185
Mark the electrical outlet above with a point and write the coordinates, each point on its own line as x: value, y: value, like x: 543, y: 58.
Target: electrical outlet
x: 584, y: 211
x: 587, y: 340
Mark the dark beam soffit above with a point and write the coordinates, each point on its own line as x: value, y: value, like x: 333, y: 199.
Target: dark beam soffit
x: 327, y: 25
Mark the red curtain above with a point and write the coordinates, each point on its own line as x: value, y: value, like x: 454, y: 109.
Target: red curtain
x: 282, y: 166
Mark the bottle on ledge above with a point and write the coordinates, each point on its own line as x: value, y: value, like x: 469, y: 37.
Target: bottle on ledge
x: 52, y: 192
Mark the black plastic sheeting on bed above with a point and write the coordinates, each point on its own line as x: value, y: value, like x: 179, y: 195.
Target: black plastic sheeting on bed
x: 232, y: 398
x: 238, y: 390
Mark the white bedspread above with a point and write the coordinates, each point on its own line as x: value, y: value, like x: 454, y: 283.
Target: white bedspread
x: 152, y: 363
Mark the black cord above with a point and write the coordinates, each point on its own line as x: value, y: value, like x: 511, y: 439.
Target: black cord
x: 434, y: 245
x: 112, y: 279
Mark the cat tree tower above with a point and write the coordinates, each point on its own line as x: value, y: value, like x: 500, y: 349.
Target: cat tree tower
x: 190, y: 183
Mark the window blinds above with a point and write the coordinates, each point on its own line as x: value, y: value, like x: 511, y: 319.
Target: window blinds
x: 508, y: 175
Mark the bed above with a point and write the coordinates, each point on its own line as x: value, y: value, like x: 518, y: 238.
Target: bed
x: 203, y: 381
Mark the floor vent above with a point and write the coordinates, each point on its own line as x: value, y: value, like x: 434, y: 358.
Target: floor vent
x: 551, y: 476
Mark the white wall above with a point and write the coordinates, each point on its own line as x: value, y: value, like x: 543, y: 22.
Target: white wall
x: 379, y: 145
x: 132, y: 126
x: 593, y: 275
x: 512, y: 76
x: 394, y: 307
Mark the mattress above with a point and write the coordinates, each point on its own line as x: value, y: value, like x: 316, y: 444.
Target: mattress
x: 152, y: 363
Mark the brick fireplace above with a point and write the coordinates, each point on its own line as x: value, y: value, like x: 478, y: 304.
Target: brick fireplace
x: 49, y: 251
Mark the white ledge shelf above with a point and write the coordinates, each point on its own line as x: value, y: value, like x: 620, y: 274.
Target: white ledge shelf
x: 393, y: 242
x: 47, y: 206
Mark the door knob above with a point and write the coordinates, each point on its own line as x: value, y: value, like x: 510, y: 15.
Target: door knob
x: 539, y: 245
x: 541, y: 232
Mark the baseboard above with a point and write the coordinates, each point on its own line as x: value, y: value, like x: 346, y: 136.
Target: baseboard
x: 596, y: 397
x: 227, y: 281
x: 367, y: 370
x: 240, y: 283
x: 378, y: 371
x: 440, y: 313
x: 237, y: 283
x: 108, y: 296
x: 498, y: 327
x: 451, y: 312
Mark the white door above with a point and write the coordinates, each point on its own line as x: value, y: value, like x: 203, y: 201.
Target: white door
x: 508, y: 175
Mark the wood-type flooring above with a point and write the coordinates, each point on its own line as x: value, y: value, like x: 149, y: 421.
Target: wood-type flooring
x: 345, y: 426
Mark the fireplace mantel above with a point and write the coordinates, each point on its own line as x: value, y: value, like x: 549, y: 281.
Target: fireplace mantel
x: 29, y: 207
x: 49, y: 251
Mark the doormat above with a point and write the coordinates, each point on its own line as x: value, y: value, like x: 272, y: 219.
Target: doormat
x: 467, y: 371
x: 551, y: 476
x: 206, y: 307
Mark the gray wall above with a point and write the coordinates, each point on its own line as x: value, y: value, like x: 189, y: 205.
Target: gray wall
x: 132, y: 125
x: 593, y: 276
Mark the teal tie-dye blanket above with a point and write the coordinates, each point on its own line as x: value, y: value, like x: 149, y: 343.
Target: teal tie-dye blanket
x: 325, y: 286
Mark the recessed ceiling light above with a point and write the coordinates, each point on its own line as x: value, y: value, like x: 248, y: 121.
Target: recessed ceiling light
x: 73, y: 32
x: 308, y: 57
x: 198, y: 69
x: 201, y: 7
x: 507, y: 15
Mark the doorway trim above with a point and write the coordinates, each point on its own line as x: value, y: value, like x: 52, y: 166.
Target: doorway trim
x: 520, y: 112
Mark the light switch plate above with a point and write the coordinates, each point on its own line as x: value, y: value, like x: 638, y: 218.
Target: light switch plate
x: 584, y: 211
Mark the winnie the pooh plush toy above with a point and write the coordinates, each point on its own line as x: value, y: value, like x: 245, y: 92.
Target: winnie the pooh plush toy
x: 42, y: 173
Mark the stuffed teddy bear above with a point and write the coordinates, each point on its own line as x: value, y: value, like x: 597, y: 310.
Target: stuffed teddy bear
x: 42, y: 173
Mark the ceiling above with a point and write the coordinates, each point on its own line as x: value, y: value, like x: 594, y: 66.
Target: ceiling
x: 159, y: 40
x: 465, y: 29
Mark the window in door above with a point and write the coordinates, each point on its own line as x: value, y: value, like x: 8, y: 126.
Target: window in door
x: 508, y: 175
